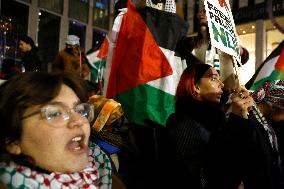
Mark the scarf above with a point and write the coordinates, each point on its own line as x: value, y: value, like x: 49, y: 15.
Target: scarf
x: 270, y: 131
x: 271, y: 93
x: 97, y: 174
x: 169, y: 6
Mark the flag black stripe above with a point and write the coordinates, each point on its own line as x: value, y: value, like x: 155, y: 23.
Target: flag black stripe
x: 166, y: 28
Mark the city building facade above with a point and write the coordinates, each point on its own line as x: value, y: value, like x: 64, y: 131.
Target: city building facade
x: 49, y: 22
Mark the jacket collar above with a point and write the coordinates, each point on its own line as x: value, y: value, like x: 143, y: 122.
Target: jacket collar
x: 206, y: 113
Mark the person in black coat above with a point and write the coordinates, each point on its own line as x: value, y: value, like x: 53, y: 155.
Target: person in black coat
x: 31, y: 60
x: 254, y: 153
x: 196, y: 131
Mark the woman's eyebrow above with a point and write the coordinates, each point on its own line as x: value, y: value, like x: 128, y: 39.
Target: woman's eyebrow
x: 61, y: 103
x: 76, y: 103
x: 212, y: 74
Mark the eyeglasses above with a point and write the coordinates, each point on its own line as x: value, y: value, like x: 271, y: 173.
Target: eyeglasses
x: 57, y: 114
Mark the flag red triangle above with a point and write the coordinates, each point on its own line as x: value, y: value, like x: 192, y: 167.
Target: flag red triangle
x: 103, y: 49
x: 280, y: 62
x: 137, y: 58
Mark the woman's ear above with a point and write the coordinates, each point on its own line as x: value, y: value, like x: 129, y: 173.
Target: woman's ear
x: 14, y: 148
x: 196, y: 89
x: 195, y: 92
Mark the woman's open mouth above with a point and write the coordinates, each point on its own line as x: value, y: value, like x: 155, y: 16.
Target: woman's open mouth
x: 77, y: 144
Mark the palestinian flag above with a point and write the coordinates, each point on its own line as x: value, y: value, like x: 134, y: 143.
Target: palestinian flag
x: 271, y: 69
x: 145, y: 69
x: 97, y: 65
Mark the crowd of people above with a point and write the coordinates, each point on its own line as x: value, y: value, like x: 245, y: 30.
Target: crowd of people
x: 55, y: 133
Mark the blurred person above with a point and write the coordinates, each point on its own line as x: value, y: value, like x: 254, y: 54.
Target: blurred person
x: 200, y: 46
x: 270, y: 101
x: 196, y: 130
x: 255, y: 149
x: 31, y: 60
x: 72, y: 58
x: 45, y: 130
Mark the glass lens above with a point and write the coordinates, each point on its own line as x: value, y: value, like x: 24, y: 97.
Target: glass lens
x: 85, y: 110
x: 55, y: 114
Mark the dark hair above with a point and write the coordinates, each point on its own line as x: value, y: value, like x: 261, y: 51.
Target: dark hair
x: 190, y: 77
x: 26, y: 90
x: 27, y: 40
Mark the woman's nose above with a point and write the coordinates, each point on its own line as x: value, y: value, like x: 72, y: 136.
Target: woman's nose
x: 221, y: 84
x: 75, y: 120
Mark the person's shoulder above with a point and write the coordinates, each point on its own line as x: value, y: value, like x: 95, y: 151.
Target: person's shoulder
x: 179, y: 120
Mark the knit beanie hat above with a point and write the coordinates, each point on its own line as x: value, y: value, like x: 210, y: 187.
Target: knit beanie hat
x: 72, y: 40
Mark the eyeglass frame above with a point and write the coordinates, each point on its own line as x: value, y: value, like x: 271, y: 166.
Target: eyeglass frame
x: 42, y: 111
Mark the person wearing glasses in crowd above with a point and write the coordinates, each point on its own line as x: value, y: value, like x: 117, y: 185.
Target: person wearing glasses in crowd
x: 45, y: 130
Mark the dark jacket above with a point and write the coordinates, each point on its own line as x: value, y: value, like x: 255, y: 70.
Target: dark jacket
x: 195, y: 133
x: 209, y: 151
x: 69, y: 60
x: 31, y: 60
x: 252, y: 157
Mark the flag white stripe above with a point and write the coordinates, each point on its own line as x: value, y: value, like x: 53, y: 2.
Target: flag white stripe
x: 112, y: 43
x: 267, y: 69
x: 93, y: 58
x: 168, y: 84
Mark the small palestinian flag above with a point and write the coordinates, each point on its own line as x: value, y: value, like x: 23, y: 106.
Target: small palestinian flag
x: 271, y: 69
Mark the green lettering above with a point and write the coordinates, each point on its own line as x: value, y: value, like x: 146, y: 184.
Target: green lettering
x: 221, y: 35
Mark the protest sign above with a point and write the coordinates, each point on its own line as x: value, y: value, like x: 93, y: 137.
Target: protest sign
x: 222, y: 27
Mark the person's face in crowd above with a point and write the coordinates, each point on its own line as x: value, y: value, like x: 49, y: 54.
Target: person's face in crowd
x: 24, y: 47
x: 202, y: 17
x: 60, y: 147
x: 209, y: 88
x: 71, y: 48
